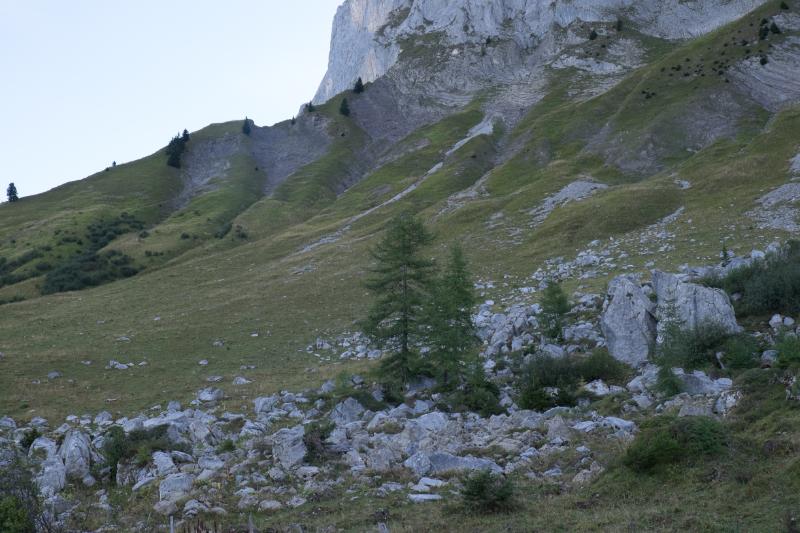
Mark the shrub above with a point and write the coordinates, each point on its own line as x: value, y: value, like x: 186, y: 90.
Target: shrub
x: 784, y: 6
x: 28, y: 438
x: 344, y: 108
x: 690, y: 347
x: 486, y: 493
x: 20, y: 508
x: 601, y: 365
x: 477, y: 394
x: 741, y: 352
x: 314, y: 439
x: 545, y: 372
x: 593, y: 35
x: 666, y: 440
x: 770, y: 285
x: 14, y: 517
x: 138, y: 445
x: 226, y: 446
x: 358, y: 88
x: 788, y: 347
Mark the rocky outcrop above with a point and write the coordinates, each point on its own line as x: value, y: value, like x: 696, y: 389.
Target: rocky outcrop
x: 694, y: 305
x: 369, y: 36
x: 288, y: 447
x: 76, y: 454
x: 628, y: 321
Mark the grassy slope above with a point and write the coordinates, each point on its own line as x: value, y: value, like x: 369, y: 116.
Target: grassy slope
x: 231, y: 289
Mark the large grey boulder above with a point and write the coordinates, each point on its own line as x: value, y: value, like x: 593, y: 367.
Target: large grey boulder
x: 288, y: 447
x: 446, y: 462
x: 76, y: 453
x: 175, y: 487
x: 164, y: 463
x: 347, y: 411
x: 53, y: 477
x: 694, y: 305
x: 628, y: 321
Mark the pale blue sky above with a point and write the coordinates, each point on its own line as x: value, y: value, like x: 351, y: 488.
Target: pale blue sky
x: 86, y: 82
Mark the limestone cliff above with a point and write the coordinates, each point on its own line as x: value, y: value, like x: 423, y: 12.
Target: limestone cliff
x: 369, y: 35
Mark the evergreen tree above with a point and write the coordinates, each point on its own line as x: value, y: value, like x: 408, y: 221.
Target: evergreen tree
x: 359, y: 86
x: 784, y: 6
x: 593, y: 35
x: 294, y: 121
x: 620, y: 25
x: 401, y: 282
x: 554, y: 306
x: 185, y: 137
x: 175, y: 150
x: 451, y: 332
x: 310, y: 107
x: 11, y: 192
x: 246, y: 126
x: 775, y: 29
x: 344, y: 109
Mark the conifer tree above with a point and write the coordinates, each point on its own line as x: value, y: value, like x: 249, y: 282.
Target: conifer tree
x: 554, y: 306
x: 294, y: 121
x: 185, y: 137
x: 451, y: 332
x: 310, y: 107
x: 344, y: 109
x: 401, y: 281
x: 359, y: 86
x: 246, y: 126
x: 11, y: 192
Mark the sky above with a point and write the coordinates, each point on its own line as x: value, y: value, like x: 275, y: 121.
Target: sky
x: 87, y: 82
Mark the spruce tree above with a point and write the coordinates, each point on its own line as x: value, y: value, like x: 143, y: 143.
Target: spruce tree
x: 174, y: 151
x: 185, y: 137
x: 554, y: 306
x: 593, y: 35
x: 344, y: 109
x: 246, y: 126
x: 359, y: 86
x: 400, y: 280
x: 294, y: 121
x: 775, y: 29
x: 451, y: 332
x: 310, y: 107
x: 11, y: 192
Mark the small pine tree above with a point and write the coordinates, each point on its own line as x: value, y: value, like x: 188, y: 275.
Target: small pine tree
x: 246, y: 126
x: 775, y: 29
x: 593, y: 35
x: 113, y: 163
x: 359, y: 86
x: 451, y: 332
x: 11, y: 192
x: 185, y: 136
x: 310, y: 107
x: 294, y: 121
x: 555, y: 305
x: 763, y: 32
x: 764, y: 60
x: 401, y: 282
x: 344, y: 109
x: 620, y: 25
x: 175, y: 150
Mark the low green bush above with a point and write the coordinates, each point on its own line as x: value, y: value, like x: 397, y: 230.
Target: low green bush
x: 691, y: 348
x: 788, y: 347
x: 485, y: 493
x: 138, y: 445
x: 476, y: 394
x: 14, y: 518
x: 566, y: 374
x: 314, y: 439
x: 666, y: 440
x: 771, y: 285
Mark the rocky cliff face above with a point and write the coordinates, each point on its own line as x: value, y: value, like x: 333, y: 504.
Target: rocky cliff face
x: 370, y: 35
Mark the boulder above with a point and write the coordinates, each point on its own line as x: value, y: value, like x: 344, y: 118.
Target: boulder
x: 628, y: 322
x: 288, y: 447
x: 175, y: 487
x: 265, y: 404
x: 445, y: 462
x: 210, y: 394
x: 53, y: 477
x: 694, y: 304
x: 76, y: 453
x: 347, y: 411
x: 164, y: 464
